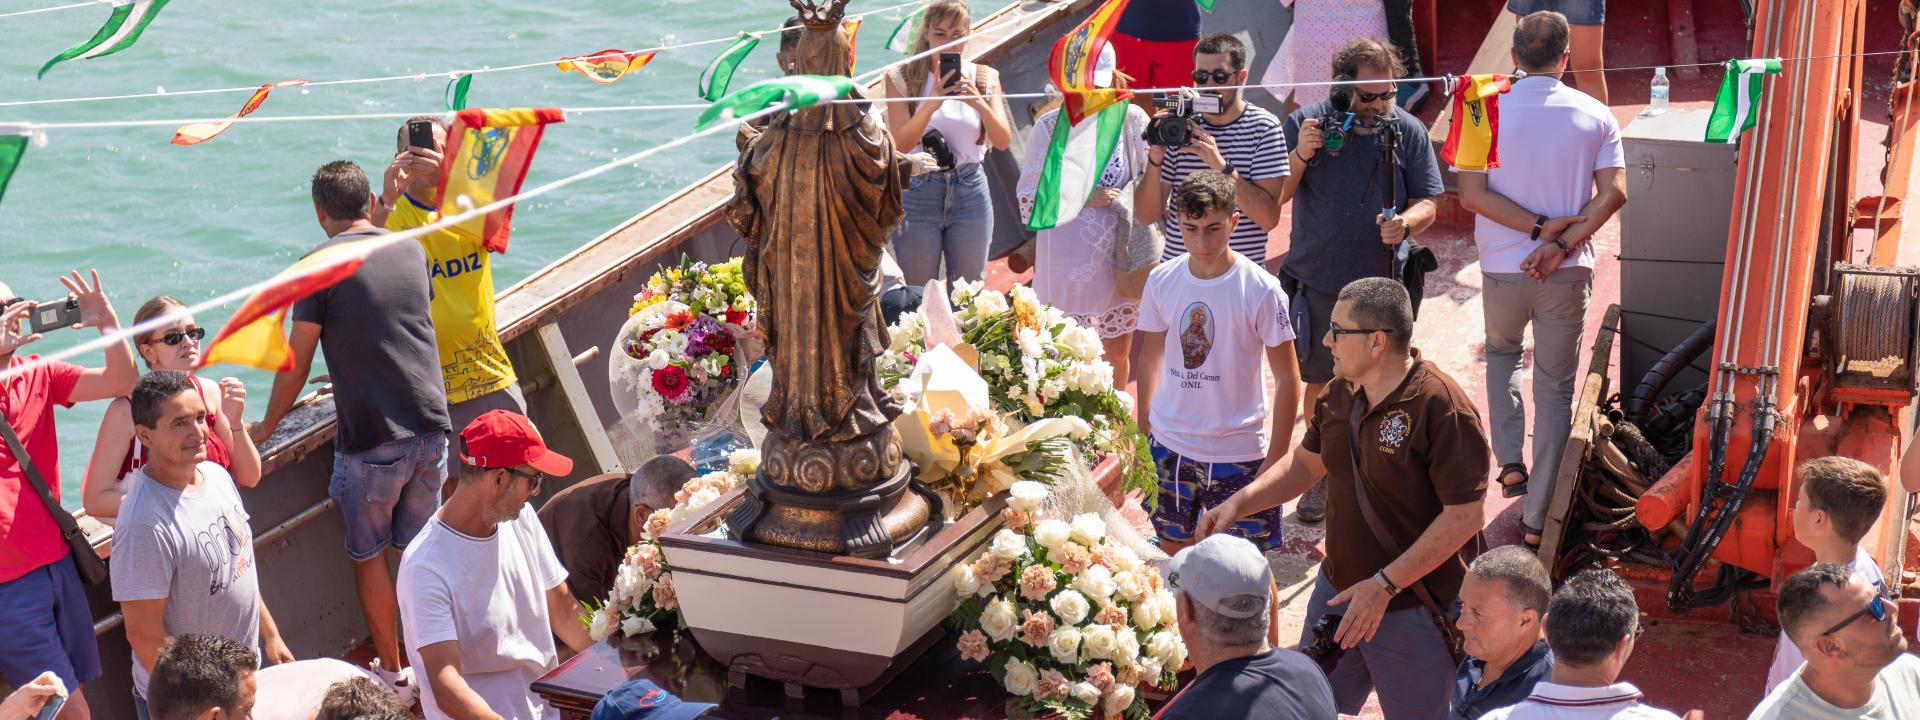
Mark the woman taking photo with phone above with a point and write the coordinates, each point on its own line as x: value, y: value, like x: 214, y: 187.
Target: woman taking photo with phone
x: 116, y: 453
x: 949, y: 215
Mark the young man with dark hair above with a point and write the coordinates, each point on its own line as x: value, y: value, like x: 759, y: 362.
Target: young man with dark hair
x: 1241, y: 141
x: 1208, y: 317
x: 1836, y: 501
x: 592, y: 524
x: 1503, y: 600
x: 390, y: 440
x: 1401, y: 447
x: 1592, y: 624
x: 1339, y: 231
x: 203, y: 677
x: 183, y: 549
x: 1856, y: 666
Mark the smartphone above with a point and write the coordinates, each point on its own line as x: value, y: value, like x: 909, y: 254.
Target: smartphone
x: 52, y: 707
x: 55, y: 315
x: 949, y: 68
x: 420, y: 134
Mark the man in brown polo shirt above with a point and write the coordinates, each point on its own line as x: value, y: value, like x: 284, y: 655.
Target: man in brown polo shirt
x: 1424, y: 458
x: 594, y: 522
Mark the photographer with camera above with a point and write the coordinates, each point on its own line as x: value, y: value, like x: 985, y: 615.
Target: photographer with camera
x: 1215, y: 130
x: 1348, y: 151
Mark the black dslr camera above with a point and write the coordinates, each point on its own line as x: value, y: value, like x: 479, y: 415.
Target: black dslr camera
x: 1339, y: 120
x: 1324, y: 650
x: 1173, y: 131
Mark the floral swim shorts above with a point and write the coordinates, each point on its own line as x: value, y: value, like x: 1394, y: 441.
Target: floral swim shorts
x: 1189, y: 487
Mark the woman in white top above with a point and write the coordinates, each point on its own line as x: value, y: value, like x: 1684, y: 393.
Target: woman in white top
x: 949, y: 215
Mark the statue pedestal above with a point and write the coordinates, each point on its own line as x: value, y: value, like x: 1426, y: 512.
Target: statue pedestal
x: 814, y: 620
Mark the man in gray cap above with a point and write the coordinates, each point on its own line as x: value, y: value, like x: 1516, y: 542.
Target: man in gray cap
x: 1223, y: 584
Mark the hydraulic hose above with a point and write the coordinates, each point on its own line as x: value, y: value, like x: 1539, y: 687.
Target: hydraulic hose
x: 1670, y: 364
x: 1719, y: 504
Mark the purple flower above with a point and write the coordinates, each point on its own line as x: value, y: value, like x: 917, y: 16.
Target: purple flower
x: 705, y: 337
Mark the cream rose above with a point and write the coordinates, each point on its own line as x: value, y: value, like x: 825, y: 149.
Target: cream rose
x: 998, y: 620
x: 1126, y: 648
x: 1163, y: 646
x: 1085, y: 692
x: 1169, y: 609
x: 1117, y: 700
x: 1128, y: 586
x: 1008, y: 545
x: 1096, y: 642
x: 1019, y: 677
x: 1096, y: 583
x: 1051, y: 534
x: 1146, y: 615
x: 603, y: 624
x: 964, y: 581
x: 1064, y: 644
x: 745, y: 461
x: 1150, y: 671
x: 1026, y: 496
x: 1071, y: 607
x: 1126, y: 558
x: 636, y: 626
x: 1088, y: 528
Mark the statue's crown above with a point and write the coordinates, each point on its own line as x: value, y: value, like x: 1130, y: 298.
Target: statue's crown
x: 820, y: 17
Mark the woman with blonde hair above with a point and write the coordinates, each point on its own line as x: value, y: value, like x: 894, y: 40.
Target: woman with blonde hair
x: 117, y: 453
x: 949, y: 214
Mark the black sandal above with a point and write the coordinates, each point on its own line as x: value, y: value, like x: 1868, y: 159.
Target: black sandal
x: 1513, y: 489
x: 1537, y: 532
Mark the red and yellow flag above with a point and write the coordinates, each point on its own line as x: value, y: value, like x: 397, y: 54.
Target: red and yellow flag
x: 852, y: 28
x: 606, y: 66
x: 1473, y: 142
x: 1071, y: 64
x: 196, y: 133
x: 487, y: 155
x: 256, y: 334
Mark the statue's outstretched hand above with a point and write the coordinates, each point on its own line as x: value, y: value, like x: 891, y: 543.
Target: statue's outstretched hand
x: 923, y: 162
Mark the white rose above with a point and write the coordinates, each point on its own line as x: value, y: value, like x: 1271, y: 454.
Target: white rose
x: 1051, y: 534
x: 1179, y: 659
x: 1026, y: 496
x: 658, y: 359
x: 1019, y: 677
x: 1169, y: 609
x: 1126, y: 558
x: 1085, y: 692
x: 603, y: 624
x: 745, y: 461
x: 1083, y: 341
x: 636, y: 626
x: 1064, y: 643
x: 1118, y: 699
x: 1097, y: 642
x: 1128, y: 585
x: 1095, y: 583
x: 964, y: 581
x: 998, y: 620
x: 1008, y: 545
x: 1126, y: 648
x: 1146, y: 615
x: 991, y: 302
x: 1088, y: 528
x: 1162, y: 646
x: 1071, y: 607
x: 1150, y: 671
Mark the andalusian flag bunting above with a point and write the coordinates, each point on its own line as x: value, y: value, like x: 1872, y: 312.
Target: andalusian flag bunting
x: 1072, y: 60
x: 719, y: 73
x: 1206, y: 5
x: 456, y: 92
x: 487, y: 155
x: 256, y: 334
x: 797, y: 91
x: 1473, y: 142
x: 1737, y: 107
x: 196, y: 133
x: 901, y: 39
x: 606, y: 66
x: 13, y: 144
x: 123, y: 28
x: 1075, y: 160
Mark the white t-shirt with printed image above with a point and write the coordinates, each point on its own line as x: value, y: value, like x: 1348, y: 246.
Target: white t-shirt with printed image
x: 1212, y: 403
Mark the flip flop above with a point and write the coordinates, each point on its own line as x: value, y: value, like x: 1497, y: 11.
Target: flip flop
x: 1513, y: 489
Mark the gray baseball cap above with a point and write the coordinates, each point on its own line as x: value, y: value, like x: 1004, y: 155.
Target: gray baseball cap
x: 1220, y: 568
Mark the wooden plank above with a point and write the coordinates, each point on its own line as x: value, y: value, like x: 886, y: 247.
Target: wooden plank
x: 554, y: 346
x: 1574, y: 458
x: 1495, y: 56
x: 1686, y: 51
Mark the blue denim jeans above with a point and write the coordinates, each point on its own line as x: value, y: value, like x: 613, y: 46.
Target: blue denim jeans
x: 387, y: 494
x: 949, y: 217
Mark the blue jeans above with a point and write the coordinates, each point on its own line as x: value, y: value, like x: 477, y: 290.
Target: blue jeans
x: 387, y: 494
x: 47, y: 626
x: 949, y: 217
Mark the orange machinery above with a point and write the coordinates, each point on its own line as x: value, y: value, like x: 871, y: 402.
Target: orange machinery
x: 1815, y: 348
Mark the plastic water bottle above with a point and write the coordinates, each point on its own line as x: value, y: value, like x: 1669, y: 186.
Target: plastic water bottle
x: 1658, y: 92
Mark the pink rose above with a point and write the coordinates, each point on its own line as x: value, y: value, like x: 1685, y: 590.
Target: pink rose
x: 1103, y: 556
x: 1073, y: 558
x: 1052, y: 685
x: 973, y: 646
x: 1036, y: 582
x: 647, y: 558
x: 1111, y: 615
x: 1037, y: 626
x: 1129, y: 675
x: 1100, y: 675
x: 663, y: 593
x: 1015, y: 519
x: 990, y: 569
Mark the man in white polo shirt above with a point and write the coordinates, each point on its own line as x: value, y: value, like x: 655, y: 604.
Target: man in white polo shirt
x: 1561, y: 176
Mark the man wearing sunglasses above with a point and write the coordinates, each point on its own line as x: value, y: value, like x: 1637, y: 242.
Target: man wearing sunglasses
x: 1857, y: 664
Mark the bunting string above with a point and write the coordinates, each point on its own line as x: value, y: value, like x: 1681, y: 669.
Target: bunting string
x: 88, y: 3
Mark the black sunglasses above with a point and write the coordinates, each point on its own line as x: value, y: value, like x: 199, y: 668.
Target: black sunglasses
x: 1367, y: 97
x: 535, y: 478
x: 1220, y: 77
x: 175, y: 337
x: 1877, y: 607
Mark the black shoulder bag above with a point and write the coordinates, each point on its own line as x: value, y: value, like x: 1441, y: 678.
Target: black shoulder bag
x: 92, y: 569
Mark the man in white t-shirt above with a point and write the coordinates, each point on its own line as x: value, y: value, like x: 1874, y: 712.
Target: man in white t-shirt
x: 482, y: 594
x: 1538, y: 211
x: 1208, y: 317
x: 1836, y: 501
x: 1857, y: 666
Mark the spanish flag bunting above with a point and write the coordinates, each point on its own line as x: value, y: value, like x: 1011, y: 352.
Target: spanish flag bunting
x: 196, y: 133
x: 1473, y: 141
x: 121, y: 31
x: 1072, y: 60
x: 487, y: 155
x: 853, y: 42
x: 606, y: 66
x: 256, y: 334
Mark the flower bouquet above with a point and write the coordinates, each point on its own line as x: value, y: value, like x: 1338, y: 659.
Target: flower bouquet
x: 1068, y: 622
x: 687, y: 341
x: 643, y: 598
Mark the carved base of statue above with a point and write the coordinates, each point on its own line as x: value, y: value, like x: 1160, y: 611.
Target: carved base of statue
x: 856, y: 498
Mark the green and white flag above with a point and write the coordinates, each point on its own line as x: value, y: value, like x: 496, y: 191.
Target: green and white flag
x: 1206, y: 5
x: 123, y: 28
x: 13, y: 144
x: 1075, y: 160
x: 719, y: 73
x: 901, y: 40
x: 797, y: 91
x: 1737, y: 107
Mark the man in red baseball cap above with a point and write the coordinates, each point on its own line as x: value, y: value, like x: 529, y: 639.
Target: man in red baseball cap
x: 482, y: 594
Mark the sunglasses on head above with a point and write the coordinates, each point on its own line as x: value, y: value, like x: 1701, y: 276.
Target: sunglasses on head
x: 175, y: 337
x: 1219, y: 77
x: 1367, y: 97
x: 1877, y: 607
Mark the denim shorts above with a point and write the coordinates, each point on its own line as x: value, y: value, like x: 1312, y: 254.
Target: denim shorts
x: 1189, y: 487
x: 387, y: 494
x: 1578, y: 12
x: 49, y: 627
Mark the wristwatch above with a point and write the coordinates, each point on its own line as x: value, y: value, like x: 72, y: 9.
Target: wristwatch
x: 1539, y: 222
x: 1562, y: 244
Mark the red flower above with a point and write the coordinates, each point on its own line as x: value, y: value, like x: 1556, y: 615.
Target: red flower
x: 679, y: 320
x: 634, y: 350
x: 736, y: 317
x: 671, y: 382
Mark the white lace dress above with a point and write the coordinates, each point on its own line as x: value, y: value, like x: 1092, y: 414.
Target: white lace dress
x: 1320, y: 28
x: 1073, y: 261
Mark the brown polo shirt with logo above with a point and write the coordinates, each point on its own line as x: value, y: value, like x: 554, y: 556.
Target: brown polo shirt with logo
x: 1421, y: 448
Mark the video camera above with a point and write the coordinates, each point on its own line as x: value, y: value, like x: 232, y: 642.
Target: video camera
x: 1173, y: 131
x: 1339, y: 120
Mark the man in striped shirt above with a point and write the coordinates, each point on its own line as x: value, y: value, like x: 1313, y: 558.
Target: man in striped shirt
x: 1241, y: 141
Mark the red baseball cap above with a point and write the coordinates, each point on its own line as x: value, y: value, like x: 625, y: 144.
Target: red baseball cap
x: 504, y: 439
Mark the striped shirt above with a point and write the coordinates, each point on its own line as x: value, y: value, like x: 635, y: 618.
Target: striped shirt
x: 1552, y: 701
x: 1254, y: 145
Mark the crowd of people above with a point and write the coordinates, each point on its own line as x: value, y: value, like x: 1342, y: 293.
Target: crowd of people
x: 469, y: 594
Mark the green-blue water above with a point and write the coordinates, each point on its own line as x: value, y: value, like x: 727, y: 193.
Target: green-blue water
x: 198, y: 221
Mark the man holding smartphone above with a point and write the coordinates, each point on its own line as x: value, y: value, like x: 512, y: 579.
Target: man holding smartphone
x: 43, y: 604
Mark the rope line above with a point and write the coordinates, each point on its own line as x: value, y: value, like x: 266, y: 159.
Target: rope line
x: 56, y: 7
